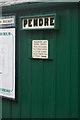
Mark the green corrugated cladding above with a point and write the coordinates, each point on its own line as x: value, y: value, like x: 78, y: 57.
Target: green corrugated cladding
x: 46, y: 88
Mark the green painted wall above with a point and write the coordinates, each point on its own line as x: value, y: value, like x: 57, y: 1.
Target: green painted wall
x: 46, y: 88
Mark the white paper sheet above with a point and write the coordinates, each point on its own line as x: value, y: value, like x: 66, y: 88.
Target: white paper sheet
x: 7, y: 62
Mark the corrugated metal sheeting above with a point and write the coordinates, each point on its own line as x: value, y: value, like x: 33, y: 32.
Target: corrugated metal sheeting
x: 46, y: 88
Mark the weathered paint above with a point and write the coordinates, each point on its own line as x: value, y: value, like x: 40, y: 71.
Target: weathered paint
x: 46, y: 88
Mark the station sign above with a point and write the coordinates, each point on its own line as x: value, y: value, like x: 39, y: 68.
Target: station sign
x: 44, y: 22
x: 7, y: 21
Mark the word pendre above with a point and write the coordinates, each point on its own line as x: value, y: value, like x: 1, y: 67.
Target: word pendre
x: 37, y: 23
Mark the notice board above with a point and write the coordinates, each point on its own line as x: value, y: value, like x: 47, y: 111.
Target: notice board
x: 40, y: 49
x: 7, y: 62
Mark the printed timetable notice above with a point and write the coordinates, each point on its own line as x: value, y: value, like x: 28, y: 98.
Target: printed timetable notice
x: 7, y: 62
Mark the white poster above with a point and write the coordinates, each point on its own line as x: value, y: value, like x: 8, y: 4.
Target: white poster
x: 7, y: 62
x: 40, y: 49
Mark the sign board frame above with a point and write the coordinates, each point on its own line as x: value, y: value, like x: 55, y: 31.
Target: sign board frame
x: 7, y: 21
x: 56, y: 23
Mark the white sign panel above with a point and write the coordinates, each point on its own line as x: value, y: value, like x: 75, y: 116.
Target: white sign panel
x: 7, y: 62
x: 7, y: 21
x: 38, y: 23
x: 40, y: 49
